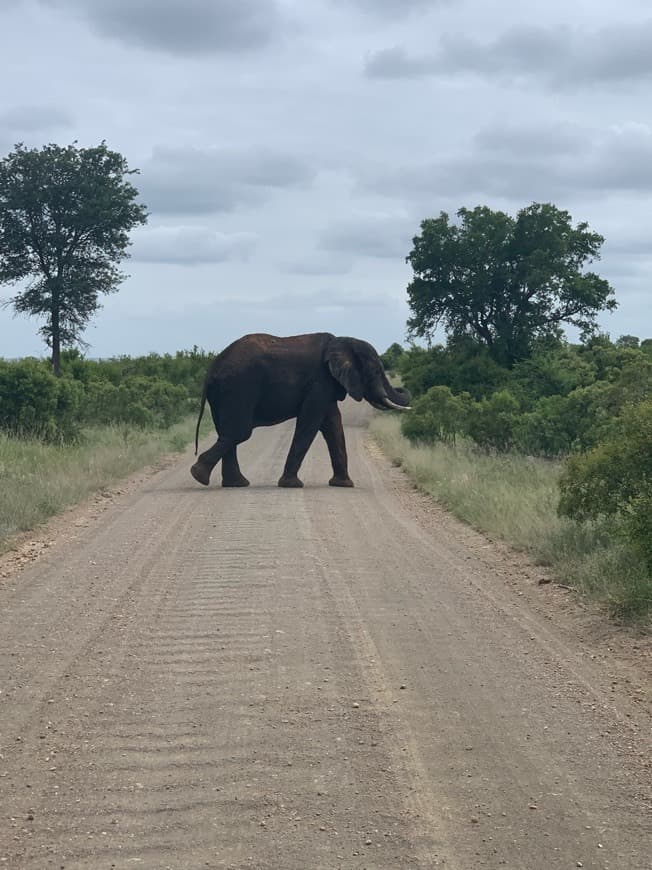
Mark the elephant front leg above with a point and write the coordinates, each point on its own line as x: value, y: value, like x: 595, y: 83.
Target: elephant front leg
x: 304, y: 435
x: 333, y: 432
x: 231, y: 474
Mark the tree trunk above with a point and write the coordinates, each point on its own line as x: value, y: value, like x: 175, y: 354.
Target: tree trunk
x: 56, y: 338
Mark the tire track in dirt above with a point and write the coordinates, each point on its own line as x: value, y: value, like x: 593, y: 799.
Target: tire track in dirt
x: 193, y: 704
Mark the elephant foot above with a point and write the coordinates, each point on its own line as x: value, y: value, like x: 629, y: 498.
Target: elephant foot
x: 341, y: 481
x: 201, y: 473
x: 235, y: 481
x: 290, y: 482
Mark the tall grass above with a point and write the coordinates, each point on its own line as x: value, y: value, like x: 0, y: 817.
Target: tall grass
x: 38, y: 480
x: 514, y: 498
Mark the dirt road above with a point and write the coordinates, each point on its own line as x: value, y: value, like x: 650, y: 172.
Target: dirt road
x: 316, y: 678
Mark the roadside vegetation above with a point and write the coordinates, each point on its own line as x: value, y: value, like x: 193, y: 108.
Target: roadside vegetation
x: 541, y: 442
x: 63, y: 438
x: 515, y: 498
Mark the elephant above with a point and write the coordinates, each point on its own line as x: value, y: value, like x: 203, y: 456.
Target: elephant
x: 261, y: 380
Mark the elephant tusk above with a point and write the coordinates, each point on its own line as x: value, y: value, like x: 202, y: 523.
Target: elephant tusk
x: 387, y: 402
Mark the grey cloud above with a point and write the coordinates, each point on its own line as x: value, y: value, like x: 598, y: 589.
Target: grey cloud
x: 33, y: 118
x: 519, y: 52
x: 564, y: 58
x: 203, y: 181
x: 190, y: 245
x: 396, y: 63
x: 182, y: 26
x: 372, y: 236
x: 553, y: 139
x: 616, y: 160
x: 389, y: 8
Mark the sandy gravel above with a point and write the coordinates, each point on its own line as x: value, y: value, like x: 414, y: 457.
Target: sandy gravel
x: 316, y: 678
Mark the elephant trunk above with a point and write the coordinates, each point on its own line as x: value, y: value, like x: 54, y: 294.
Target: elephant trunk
x: 386, y: 396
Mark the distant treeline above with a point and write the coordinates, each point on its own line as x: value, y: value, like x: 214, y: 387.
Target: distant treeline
x: 562, y: 399
x: 150, y: 391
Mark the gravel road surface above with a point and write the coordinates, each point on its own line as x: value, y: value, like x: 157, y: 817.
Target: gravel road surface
x: 298, y: 679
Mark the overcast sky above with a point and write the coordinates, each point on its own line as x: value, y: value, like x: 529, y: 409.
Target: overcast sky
x: 288, y: 149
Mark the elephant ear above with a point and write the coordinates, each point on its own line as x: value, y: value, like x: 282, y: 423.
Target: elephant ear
x: 344, y: 367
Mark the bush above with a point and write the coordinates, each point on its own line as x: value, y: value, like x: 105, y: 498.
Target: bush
x: 148, y: 392
x: 186, y: 368
x: 437, y: 416
x: 549, y: 373
x: 33, y: 402
x: 463, y: 366
x: 558, y: 425
x: 140, y: 401
x: 491, y: 422
x: 614, y: 480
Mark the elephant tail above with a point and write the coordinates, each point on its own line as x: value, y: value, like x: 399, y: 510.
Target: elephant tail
x: 201, y: 414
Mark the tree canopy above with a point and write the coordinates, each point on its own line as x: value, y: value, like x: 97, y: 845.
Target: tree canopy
x: 507, y: 282
x: 65, y: 217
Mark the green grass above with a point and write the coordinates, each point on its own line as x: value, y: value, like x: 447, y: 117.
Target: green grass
x: 38, y: 480
x: 514, y: 498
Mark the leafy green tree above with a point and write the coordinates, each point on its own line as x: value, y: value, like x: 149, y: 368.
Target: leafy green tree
x: 392, y: 356
x: 65, y: 217
x: 631, y: 341
x: 507, y: 282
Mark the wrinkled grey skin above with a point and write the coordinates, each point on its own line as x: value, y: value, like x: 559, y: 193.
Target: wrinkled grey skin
x: 261, y: 380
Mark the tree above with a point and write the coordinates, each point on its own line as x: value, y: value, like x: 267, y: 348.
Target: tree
x: 390, y: 359
x: 65, y: 215
x: 507, y: 282
x: 631, y: 341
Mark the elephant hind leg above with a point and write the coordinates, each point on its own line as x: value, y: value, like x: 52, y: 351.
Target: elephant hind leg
x: 231, y: 474
x: 207, y: 460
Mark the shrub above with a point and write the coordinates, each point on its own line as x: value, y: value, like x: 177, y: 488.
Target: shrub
x: 555, y: 372
x: 36, y: 403
x: 437, y: 416
x: 614, y: 480
x: 463, y: 366
x: 140, y: 401
x: 491, y: 422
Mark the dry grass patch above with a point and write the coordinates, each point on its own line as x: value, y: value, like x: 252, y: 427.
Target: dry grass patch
x: 514, y: 498
x: 39, y: 480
